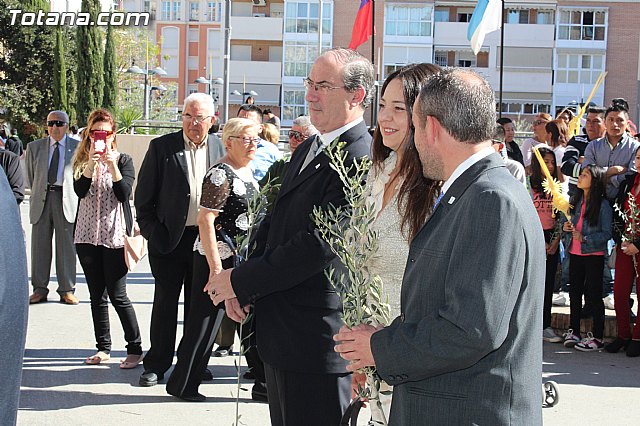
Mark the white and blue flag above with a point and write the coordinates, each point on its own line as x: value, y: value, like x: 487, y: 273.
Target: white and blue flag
x: 486, y: 18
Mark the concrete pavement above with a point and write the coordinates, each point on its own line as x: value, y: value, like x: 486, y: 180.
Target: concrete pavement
x: 59, y: 389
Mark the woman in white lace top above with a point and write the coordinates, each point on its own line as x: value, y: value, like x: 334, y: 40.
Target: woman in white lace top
x: 402, y: 196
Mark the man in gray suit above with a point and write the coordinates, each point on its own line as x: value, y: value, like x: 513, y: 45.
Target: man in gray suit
x: 53, y: 206
x: 465, y: 349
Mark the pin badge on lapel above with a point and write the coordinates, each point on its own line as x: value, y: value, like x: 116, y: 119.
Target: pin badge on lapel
x: 317, y: 166
x: 181, y: 154
x: 451, y: 200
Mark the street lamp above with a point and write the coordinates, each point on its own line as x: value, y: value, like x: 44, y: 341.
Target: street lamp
x: 146, y: 72
x: 210, y: 82
x: 245, y: 95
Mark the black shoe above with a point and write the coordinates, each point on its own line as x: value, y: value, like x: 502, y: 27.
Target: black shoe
x: 248, y: 375
x: 617, y: 344
x: 259, y: 392
x: 634, y: 348
x: 198, y: 397
x: 150, y: 378
x: 207, y: 376
x: 223, y: 351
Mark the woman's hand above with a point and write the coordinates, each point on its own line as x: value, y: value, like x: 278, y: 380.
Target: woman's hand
x: 553, y: 247
x: 91, y: 163
x: 110, y: 158
x: 213, y: 271
x: 629, y: 249
x: 567, y: 227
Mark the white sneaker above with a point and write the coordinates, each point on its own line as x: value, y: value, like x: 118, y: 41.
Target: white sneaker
x: 609, y: 302
x: 559, y: 300
x: 548, y: 335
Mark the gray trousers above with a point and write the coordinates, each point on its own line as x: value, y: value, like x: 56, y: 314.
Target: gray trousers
x: 53, y: 221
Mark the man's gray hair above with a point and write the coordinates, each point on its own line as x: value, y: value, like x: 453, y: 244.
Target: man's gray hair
x: 463, y: 102
x: 203, y: 99
x: 305, y: 122
x: 60, y: 113
x: 358, y: 72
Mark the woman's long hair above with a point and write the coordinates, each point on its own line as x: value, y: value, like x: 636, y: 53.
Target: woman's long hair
x: 596, y: 194
x: 81, y: 156
x: 536, y: 171
x: 417, y: 194
x: 559, y: 133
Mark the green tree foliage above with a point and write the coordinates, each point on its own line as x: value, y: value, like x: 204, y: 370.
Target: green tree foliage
x: 71, y: 94
x: 59, y: 74
x: 26, y: 75
x: 110, y: 73
x: 90, y: 66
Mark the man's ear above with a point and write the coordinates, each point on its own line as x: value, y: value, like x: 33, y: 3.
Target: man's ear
x: 433, y: 128
x: 358, y: 96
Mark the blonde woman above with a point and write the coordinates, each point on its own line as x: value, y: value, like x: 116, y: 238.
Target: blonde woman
x: 103, y: 178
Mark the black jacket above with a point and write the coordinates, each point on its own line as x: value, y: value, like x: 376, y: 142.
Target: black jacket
x: 619, y: 225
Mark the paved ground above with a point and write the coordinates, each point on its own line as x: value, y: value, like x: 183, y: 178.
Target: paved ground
x: 59, y: 389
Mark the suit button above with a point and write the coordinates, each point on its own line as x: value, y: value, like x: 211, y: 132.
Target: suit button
x: 412, y: 260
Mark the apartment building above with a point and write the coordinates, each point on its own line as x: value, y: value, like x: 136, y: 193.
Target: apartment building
x: 554, y: 50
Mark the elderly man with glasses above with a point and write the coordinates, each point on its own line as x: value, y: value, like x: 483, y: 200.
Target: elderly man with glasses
x: 296, y: 308
x: 166, y: 200
x: 52, y: 209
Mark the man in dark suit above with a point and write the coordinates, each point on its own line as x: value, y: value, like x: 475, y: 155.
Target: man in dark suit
x: 296, y: 308
x: 166, y: 200
x: 52, y: 209
x: 10, y: 162
x: 466, y: 348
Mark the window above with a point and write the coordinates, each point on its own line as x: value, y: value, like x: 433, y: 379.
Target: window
x: 214, y: 10
x: 466, y: 59
x: 517, y: 16
x: 582, y: 25
x: 177, y: 10
x: 407, y: 20
x: 524, y: 108
x: 194, y: 9
x: 544, y: 17
x: 302, y: 17
x: 441, y: 14
x: 166, y: 10
x: 441, y: 57
x: 389, y: 68
x: 299, y: 57
x: 464, y: 14
x: 294, y: 104
x: 147, y: 6
x: 577, y: 68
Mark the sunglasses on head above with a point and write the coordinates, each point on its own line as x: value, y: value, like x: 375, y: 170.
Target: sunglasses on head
x: 107, y: 132
x: 56, y: 123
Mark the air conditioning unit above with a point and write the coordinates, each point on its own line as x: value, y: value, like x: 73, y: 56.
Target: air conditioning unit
x: 259, y: 2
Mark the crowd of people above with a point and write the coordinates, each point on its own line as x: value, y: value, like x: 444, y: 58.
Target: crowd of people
x: 441, y: 195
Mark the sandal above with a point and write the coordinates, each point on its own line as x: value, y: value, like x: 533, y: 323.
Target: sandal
x: 131, y: 361
x: 97, y: 358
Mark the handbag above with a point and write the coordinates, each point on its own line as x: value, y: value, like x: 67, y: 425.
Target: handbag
x: 135, y: 246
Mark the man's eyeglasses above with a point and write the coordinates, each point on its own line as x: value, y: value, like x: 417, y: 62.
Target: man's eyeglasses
x: 246, y: 140
x: 56, y: 123
x: 296, y: 135
x: 92, y: 132
x: 198, y: 119
x: 323, y: 88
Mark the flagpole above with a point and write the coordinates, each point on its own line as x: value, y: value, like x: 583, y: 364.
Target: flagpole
x: 501, y: 57
x: 373, y: 60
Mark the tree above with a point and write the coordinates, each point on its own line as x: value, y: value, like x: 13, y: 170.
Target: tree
x: 59, y: 74
x: 26, y: 75
x: 110, y: 98
x: 90, y: 64
x: 71, y: 95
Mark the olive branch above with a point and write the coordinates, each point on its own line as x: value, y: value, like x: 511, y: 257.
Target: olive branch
x: 632, y: 224
x: 348, y: 232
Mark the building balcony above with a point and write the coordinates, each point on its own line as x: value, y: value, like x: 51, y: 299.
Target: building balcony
x: 258, y: 72
x: 455, y: 34
x: 256, y: 28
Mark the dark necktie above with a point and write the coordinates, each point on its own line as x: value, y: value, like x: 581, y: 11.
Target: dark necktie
x: 315, y: 147
x: 53, y: 166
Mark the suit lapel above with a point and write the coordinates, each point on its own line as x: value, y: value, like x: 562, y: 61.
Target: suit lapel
x: 181, y: 154
x: 461, y: 184
x: 297, y: 177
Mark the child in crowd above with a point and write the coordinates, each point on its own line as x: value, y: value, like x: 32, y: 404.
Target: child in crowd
x: 543, y: 204
x: 626, y: 250
x: 587, y: 235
